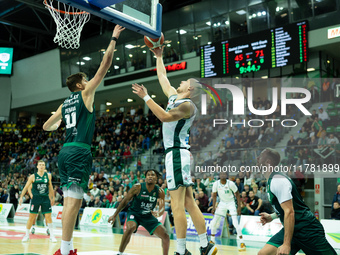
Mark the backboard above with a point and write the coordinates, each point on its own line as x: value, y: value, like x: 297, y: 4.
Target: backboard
x: 141, y: 16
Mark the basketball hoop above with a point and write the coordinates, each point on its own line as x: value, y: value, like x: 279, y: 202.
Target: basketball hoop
x: 70, y: 22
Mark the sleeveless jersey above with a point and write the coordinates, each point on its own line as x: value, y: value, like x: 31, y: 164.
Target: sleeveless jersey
x: 80, y: 123
x: 40, y: 185
x: 145, y: 201
x: 176, y: 133
x: 225, y: 191
x: 303, y: 215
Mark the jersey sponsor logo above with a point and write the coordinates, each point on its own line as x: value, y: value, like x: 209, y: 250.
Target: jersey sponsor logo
x: 132, y: 217
x: 96, y: 216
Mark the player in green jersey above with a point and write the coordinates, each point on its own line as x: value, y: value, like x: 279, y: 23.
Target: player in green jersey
x: 144, y: 198
x: 42, y: 196
x: 75, y: 159
x: 301, y: 230
x: 177, y: 120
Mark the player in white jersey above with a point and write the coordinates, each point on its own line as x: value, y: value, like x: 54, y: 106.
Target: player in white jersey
x: 177, y: 119
x: 228, y: 194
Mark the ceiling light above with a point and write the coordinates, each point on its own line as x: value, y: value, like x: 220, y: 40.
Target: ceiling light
x: 264, y: 13
x: 52, y: 112
x: 142, y: 46
x: 208, y: 23
x: 219, y: 24
x: 237, y: 77
x: 181, y: 32
x: 254, y: 15
x: 259, y: 14
x: 129, y: 46
x: 108, y: 103
x: 117, y: 58
x: 107, y: 110
x: 116, y: 67
x: 130, y: 100
x: 102, y: 50
x: 328, y: 61
x: 310, y: 69
x: 277, y: 9
x: 227, y: 22
x: 250, y: 17
x: 209, y: 43
x: 144, y: 51
x: 80, y: 63
x: 87, y: 58
x: 168, y: 45
x: 241, y: 12
x: 130, y: 55
x: 264, y: 77
x: 153, y: 96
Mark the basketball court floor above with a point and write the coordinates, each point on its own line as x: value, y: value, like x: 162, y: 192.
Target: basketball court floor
x: 101, y: 241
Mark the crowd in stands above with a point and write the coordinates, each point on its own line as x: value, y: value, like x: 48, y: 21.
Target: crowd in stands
x: 118, y: 139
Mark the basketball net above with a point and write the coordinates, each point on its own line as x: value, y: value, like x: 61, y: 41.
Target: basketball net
x: 70, y: 22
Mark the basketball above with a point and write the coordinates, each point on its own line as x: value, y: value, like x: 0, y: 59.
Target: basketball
x: 154, y: 43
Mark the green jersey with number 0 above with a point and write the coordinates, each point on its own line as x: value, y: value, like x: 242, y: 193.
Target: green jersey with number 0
x: 80, y: 123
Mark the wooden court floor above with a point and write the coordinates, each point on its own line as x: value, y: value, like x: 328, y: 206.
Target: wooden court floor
x: 96, y: 242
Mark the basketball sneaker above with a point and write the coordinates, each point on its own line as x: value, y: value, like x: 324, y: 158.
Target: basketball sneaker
x: 53, y: 239
x: 211, y: 249
x: 48, y: 231
x: 32, y: 230
x: 242, y: 247
x: 26, y: 239
x: 186, y: 252
x: 58, y: 252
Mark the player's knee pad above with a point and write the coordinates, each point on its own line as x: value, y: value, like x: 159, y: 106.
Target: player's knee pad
x: 73, y: 191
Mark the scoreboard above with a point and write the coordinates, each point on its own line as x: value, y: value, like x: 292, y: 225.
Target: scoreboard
x: 270, y: 48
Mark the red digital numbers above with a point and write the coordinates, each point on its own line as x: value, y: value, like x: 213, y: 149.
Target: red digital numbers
x: 259, y: 53
x: 239, y: 57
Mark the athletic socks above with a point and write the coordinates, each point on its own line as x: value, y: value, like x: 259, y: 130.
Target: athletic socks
x: 65, y: 247
x: 203, y: 240
x: 71, y: 244
x: 181, y: 246
x: 213, y: 239
x: 50, y: 226
x: 27, y: 232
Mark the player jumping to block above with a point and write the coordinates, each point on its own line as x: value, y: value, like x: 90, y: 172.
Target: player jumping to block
x: 228, y: 193
x: 75, y: 158
x: 177, y: 120
x: 42, y: 196
x: 301, y: 230
x: 144, y: 198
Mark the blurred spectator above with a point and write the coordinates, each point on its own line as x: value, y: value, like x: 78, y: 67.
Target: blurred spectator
x: 256, y: 191
x: 290, y: 149
x: 95, y: 192
x: 203, y: 201
x: 4, y: 197
x: 335, y: 213
x: 87, y: 196
x: 336, y: 197
x: 13, y: 196
x: 254, y: 204
x: 239, y: 185
x: 97, y: 202
x: 102, y: 195
x: 244, y: 201
x: 199, y: 185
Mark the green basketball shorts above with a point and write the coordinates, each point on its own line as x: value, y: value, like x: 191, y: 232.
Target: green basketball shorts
x: 40, y: 201
x: 148, y: 221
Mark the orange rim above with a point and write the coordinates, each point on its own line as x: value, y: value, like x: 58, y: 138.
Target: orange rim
x: 63, y: 12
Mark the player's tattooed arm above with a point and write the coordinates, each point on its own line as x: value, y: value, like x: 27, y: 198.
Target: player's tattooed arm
x: 161, y: 204
x: 132, y: 192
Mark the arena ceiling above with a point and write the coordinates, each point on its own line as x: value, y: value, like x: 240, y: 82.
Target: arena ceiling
x: 27, y: 25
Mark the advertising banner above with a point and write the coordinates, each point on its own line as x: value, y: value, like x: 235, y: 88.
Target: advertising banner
x: 332, y: 231
x: 56, y: 214
x: 22, y: 213
x: 97, y: 217
x: 6, y: 210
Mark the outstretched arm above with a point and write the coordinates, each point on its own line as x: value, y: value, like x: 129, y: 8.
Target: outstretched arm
x: 161, y: 73
x: 54, y: 121
x: 182, y: 111
x: 104, y: 65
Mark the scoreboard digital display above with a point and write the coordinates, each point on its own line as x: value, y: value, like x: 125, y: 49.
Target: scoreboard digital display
x: 270, y: 48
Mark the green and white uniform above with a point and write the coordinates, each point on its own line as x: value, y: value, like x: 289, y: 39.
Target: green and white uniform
x: 308, y: 233
x: 75, y: 159
x: 178, y: 159
x: 141, y: 208
x: 40, y: 193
